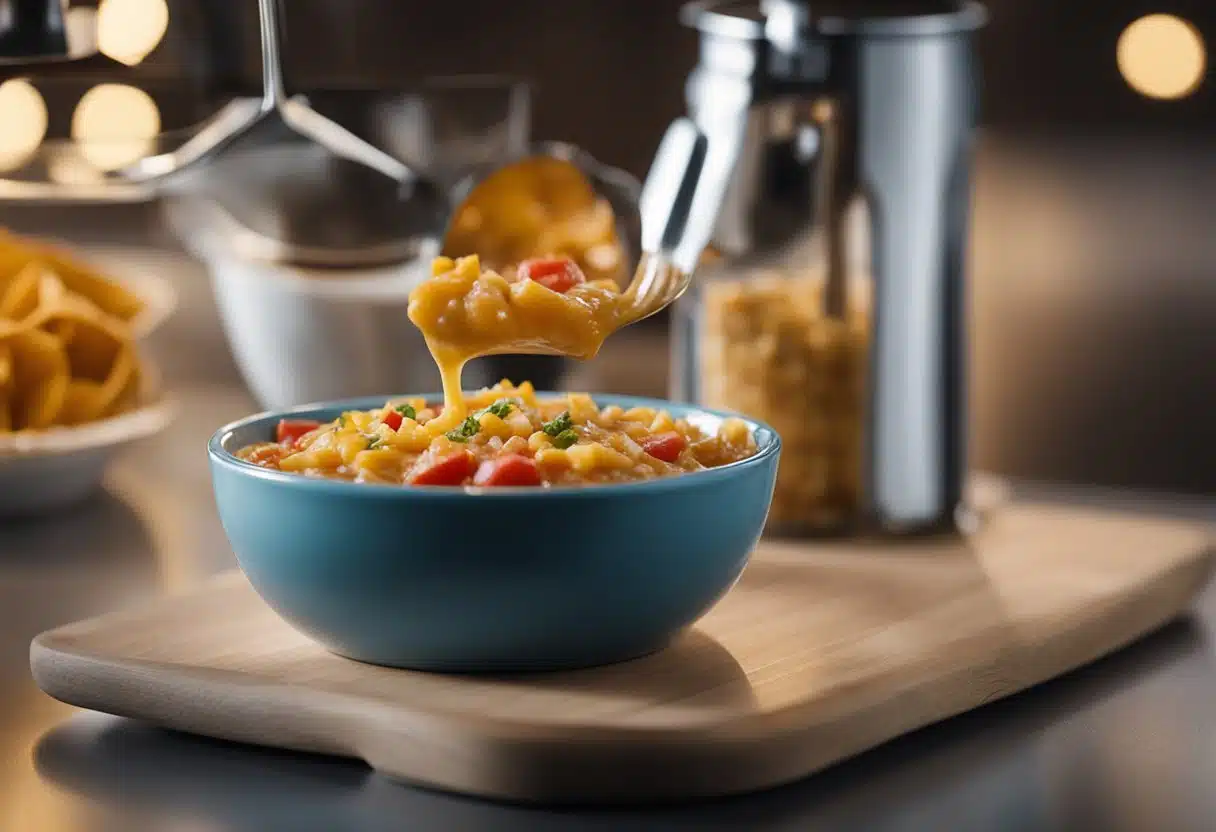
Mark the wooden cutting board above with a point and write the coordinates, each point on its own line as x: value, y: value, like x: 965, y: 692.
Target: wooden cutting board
x: 820, y: 652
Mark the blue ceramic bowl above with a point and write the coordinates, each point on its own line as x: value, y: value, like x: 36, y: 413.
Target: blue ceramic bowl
x: 506, y: 579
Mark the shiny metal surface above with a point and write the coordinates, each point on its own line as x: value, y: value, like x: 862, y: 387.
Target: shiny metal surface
x: 281, y: 195
x: 671, y: 185
x: 914, y: 115
x: 663, y: 225
x: 344, y: 168
x: 674, y: 228
x: 234, y: 122
x: 618, y: 188
x: 284, y: 200
x: 810, y: 113
x: 1127, y: 744
x: 34, y: 32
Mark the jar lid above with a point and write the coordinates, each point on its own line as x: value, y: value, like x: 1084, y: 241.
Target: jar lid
x: 748, y: 19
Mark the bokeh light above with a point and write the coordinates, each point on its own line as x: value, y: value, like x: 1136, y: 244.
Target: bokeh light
x: 115, y: 125
x: 66, y: 165
x: 1161, y: 56
x: 23, y: 122
x: 128, y: 30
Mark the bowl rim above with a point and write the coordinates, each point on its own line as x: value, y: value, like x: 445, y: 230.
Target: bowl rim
x: 150, y: 417
x: 768, y: 441
x: 155, y: 410
x: 188, y: 218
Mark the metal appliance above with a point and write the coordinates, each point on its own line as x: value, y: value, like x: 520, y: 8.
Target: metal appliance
x: 811, y: 109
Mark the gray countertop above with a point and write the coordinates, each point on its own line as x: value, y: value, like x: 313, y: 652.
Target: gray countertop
x: 1126, y: 744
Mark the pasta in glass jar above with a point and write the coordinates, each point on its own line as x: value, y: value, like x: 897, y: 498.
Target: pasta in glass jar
x: 761, y: 342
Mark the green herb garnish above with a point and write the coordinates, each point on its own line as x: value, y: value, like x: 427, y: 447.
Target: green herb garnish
x: 558, y: 425
x: 375, y: 443
x: 468, y: 429
x: 565, y: 439
x: 500, y: 408
x: 407, y: 410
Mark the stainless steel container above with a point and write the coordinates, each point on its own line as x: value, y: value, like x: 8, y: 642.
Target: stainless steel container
x: 840, y: 149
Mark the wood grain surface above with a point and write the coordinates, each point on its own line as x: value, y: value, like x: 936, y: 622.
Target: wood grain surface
x: 820, y: 652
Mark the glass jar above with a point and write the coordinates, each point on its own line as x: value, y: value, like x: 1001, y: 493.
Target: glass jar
x: 756, y: 338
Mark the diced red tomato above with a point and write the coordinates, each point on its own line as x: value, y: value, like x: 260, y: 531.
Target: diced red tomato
x: 452, y: 469
x: 508, y: 469
x: 289, y: 431
x: 664, y: 446
x: 392, y: 419
x: 561, y: 274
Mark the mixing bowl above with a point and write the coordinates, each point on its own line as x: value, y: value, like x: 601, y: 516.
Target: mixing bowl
x: 505, y: 579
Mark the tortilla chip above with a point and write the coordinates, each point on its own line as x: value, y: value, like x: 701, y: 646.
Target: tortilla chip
x: 129, y: 397
x: 111, y: 298
x: 20, y: 299
x: 94, y: 348
x: 6, y: 367
x: 13, y: 258
x: 123, y: 378
x: 67, y: 356
x: 62, y: 329
x: 81, y: 403
x: 52, y: 294
x: 40, y: 373
x: 55, y: 301
x: 108, y: 296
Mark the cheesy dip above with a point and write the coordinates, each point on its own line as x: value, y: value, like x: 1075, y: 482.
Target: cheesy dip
x: 508, y: 436
x: 543, y: 305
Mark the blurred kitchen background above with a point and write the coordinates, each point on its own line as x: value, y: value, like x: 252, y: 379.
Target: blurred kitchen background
x: 1093, y: 257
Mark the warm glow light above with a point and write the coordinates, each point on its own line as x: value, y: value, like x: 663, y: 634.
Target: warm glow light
x: 128, y: 30
x: 115, y: 125
x: 80, y: 23
x: 66, y: 165
x: 1161, y: 56
x: 23, y: 121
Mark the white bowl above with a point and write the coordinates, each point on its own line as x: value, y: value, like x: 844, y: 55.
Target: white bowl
x: 300, y: 337
x: 41, y: 471
x: 303, y: 335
